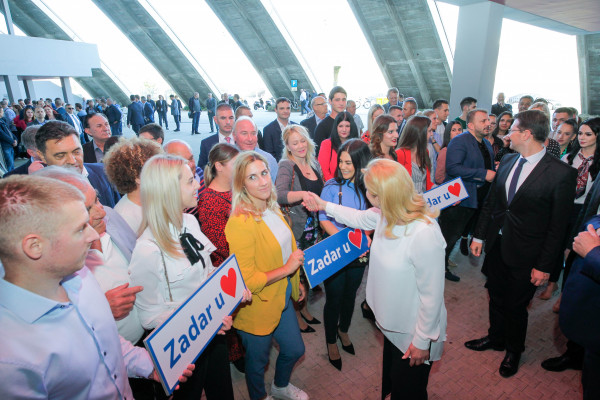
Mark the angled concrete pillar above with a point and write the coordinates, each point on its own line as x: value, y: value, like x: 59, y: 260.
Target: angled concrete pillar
x: 13, y: 88
x: 476, y: 55
x: 65, y: 83
x: 29, y: 89
x: 588, y: 51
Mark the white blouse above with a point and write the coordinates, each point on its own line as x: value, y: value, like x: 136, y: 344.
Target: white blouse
x: 131, y: 213
x: 405, y: 287
x: 577, y: 161
x: 146, y: 269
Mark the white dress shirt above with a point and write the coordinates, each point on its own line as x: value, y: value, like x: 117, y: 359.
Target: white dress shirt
x: 532, y: 161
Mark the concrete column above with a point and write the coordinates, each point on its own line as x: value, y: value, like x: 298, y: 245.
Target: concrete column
x: 476, y: 55
x: 65, y: 83
x: 29, y: 89
x: 8, y: 18
x: 588, y: 52
x: 13, y: 88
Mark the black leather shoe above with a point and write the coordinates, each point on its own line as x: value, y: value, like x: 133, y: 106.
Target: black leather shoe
x: 308, y: 329
x: 464, y: 246
x: 240, y: 365
x: 451, y: 277
x: 312, y: 321
x: 559, y: 364
x: 347, y: 349
x: 510, y: 364
x: 483, y: 344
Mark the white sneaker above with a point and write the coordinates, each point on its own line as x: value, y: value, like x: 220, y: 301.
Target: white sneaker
x: 290, y: 392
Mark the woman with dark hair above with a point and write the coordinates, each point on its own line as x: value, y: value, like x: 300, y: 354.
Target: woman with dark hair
x: 566, y: 136
x: 348, y: 189
x: 412, y: 153
x: 344, y: 128
x: 384, y: 137
x: 585, y: 157
x: 453, y: 129
x: 505, y: 121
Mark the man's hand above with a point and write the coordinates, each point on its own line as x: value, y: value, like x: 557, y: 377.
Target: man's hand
x: 476, y: 248
x: 586, y: 241
x: 227, y: 324
x: 489, y: 176
x: 302, y: 294
x: 417, y: 356
x: 538, y: 277
x: 121, y: 300
x: 189, y: 370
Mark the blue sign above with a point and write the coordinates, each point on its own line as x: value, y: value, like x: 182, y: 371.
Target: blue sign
x: 294, y: 83
x: 332, y: 254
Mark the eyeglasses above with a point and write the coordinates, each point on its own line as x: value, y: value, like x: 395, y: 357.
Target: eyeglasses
x: 69, y: 108
x: 510, y: 132
x: 319, y: 105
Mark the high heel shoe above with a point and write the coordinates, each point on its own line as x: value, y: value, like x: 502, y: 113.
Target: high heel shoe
x: 312, y: 321
x: 366, y: 311
x: 347, y: 349
x: 337, y: 363
x: 308, y: 329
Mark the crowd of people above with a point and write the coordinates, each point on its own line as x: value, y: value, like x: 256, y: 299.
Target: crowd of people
x: 104, y: 237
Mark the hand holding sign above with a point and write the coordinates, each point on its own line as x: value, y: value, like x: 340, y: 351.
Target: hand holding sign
x: 448, y: 194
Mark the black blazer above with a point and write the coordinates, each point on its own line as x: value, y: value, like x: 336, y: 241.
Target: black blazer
x: 272, y: 140
x: 533, y: 224
x: 89, y: 156
x: 311, y: 125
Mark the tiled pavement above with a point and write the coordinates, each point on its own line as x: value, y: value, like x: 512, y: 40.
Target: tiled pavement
x: 461, y: 374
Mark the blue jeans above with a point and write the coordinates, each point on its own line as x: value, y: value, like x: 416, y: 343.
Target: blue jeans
x: 195, y: 122
x: 9, y: 158
x: 114, y: 129
x: 291, y: 348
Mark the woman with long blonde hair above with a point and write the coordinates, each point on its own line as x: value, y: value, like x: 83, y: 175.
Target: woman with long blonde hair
x: 266, y: 252
x: 171, y: 260
x: 405, y: 287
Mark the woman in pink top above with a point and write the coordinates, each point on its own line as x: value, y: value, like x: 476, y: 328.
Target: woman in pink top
x: 453, y: 129
x: 344, y: 128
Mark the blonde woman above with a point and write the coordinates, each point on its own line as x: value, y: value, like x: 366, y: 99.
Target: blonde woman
x: 405, y: 288
x: 299, y: 173
x: 171, y: 260
x: 375, y: 111
x: 266, y: 252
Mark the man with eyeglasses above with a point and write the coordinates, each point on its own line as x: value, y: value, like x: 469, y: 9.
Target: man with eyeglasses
x: 319, y: 106
x: 523, y: 222
x: 75, y: 122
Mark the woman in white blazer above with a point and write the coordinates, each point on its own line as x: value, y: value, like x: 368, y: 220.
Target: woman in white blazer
x: 405, y: 287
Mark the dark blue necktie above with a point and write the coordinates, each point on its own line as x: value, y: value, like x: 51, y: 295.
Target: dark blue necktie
x: 513, y: 183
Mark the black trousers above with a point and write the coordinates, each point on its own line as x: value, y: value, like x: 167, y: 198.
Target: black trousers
x: 399, y: 378
x: 590, y: 377
x: 510, y: 291
x: 453, y: 221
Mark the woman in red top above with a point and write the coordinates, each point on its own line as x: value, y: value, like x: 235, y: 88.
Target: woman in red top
x: 214, y: 208
x: 384, y: 137
x: 27, y: 120
x: 344, y: 128
x: 413, y: 151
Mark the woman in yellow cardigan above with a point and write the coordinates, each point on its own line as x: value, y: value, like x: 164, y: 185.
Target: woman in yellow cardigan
x: 265, y: 249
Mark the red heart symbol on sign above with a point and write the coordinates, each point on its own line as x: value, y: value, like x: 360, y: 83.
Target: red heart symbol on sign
x: 355, y: 237
x: 228, y: 282
x: 454, y: 189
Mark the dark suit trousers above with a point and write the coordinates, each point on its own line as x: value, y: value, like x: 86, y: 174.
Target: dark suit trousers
x: 453, y: 221
x: 399, y: 378
x: 510, y: 291
x: 211, y: 115
x: 590, y: 376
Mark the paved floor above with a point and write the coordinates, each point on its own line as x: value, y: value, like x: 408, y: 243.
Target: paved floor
x: 462, y: 374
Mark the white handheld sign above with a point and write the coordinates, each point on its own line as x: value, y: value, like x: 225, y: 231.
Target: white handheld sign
x: 446, y: 194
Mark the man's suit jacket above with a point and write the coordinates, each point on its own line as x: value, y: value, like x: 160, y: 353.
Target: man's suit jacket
x: 311, y: 125
x: 107, y: 195
x: 113, y: 114
x: 148, y: 113
x: 21, y: 170
x: 497, y: 109
x: 174, y: 107
x: 464, y: 159
x: 161, y: 106
x: 89, y: 155
x: 589, y: 209
x: 135, y: 114
x: 272, y: 139
x: 533, y: 224
x: 205, y: 146
x: 62, y: 112
x: 580, y: 303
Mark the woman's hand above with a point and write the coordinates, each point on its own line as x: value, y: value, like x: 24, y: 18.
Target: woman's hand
x: 302, y: 294
x: 294, y: 262
x: 227, y: 324
x: 246, y: 296
x: 417, y: 356
x: 369, y: 241
x: 313, y: 202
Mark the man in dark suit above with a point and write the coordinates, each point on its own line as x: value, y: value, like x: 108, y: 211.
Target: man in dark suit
x: 161, y: 109
x: 152, y: 103
x: 523, y: 224
x: 501, y: 106
x: 579, y: 307
x: 98, y: 128
x: 135, y: 114
x: 73, y: 120
x: 469, y: 157
x: 394, y: 99
x: 224, y: 120
x: 272, y: 132
x: 148, y: 111
x: 28, y: 140
x: 58, y: 144
x: 114, y: 114
x: 60, y: 109
x: 195, y: 108
x: 337, y: 100
x: 319, y: 106
x: 211, y: 109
